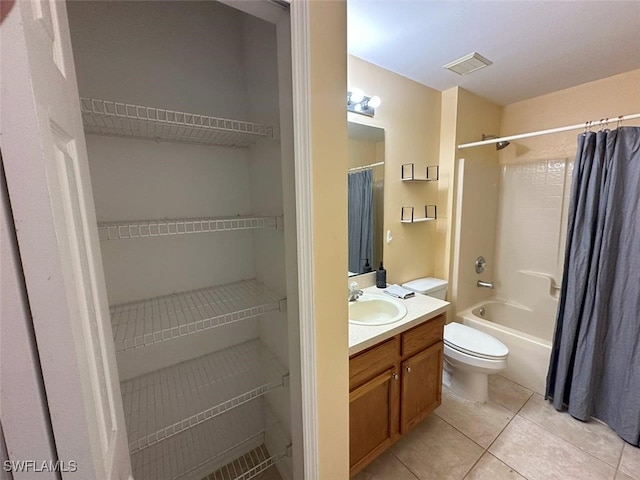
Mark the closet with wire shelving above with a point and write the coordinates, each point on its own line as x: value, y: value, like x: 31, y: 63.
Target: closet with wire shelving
x: 182, y: 110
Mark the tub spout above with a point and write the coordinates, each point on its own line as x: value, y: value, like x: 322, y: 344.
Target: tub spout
x: 482, y: 284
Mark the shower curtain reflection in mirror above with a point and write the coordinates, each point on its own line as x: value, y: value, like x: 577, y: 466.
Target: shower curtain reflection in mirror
x: 360, y: 219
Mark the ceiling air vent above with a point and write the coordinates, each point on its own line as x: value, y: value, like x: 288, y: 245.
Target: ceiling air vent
x: 467, y: 64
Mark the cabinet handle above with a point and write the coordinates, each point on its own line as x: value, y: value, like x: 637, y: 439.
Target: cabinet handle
x: 395, y: 376
x: 408, y: 369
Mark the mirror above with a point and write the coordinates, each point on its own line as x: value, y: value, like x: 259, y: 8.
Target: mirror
x: 366, y: 197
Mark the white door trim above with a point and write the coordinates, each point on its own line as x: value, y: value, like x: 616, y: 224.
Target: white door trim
x: 304, y: 220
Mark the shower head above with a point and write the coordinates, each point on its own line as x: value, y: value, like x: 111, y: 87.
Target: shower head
x: 499, y: 145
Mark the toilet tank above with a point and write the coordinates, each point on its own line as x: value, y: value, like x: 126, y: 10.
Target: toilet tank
x: 433, y: 287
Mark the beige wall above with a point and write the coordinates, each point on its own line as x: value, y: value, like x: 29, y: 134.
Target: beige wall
x: 410, y: 116
x: 328, y: 54
x: 470, y: 229
x: 609, y: 97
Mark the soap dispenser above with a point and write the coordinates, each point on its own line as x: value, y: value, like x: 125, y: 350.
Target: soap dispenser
x: 381, y: 277
x: 367, y: 267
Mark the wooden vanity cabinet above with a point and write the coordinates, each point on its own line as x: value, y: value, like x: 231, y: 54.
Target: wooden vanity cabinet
x: 392, y: 387
x: 422, y: 349
x: 374, y: 408
x: 421, y: 386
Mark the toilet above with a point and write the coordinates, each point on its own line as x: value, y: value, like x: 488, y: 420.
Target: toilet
x: 470, y: 355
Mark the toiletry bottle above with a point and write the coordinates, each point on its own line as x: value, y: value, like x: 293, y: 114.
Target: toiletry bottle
x: 367, y: 268
x: 381, y: 277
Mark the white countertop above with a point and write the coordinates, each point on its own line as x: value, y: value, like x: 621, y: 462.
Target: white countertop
x: 419, y: 309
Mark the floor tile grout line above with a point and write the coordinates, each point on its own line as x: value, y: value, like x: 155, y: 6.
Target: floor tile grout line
x: 620, y: 458
x: 515, y: 414
x: 568, y: 441
x: 460, y: 431
x: 405, y: 466
x: 485, y: 450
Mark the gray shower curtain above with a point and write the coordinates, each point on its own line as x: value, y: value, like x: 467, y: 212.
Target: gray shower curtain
x: 360, y: 219
x: 595, y: 359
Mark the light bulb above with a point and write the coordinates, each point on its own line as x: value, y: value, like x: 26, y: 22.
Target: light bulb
x: 357, y: 95
x: 374, y: 102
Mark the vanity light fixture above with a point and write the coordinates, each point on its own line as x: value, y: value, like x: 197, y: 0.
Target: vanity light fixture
x: 358, y: 102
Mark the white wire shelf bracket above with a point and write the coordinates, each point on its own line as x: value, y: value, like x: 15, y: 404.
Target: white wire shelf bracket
x: 159, y: 319
x: 164, y: 403
x: 105, y: 117
x: 183, y: 226
x: 231, y: 444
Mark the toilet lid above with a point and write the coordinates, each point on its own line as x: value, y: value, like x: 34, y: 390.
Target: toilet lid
x: 474, y: 342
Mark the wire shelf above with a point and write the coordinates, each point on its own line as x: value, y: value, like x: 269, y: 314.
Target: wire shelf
x: 104, y: 117
x: 182, y: 226
x: 248, y: 466
x: 164, y: 403
x: 232, y: 444
x: 159, y: 319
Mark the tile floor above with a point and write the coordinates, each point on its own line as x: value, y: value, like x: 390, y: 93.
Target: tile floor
x: 516, y: 435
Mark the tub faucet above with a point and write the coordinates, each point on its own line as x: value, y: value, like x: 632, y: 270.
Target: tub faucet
x: 354, y: 293
x: 482, y: 284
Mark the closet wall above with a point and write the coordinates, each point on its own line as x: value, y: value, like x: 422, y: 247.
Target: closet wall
x: 205, y: 58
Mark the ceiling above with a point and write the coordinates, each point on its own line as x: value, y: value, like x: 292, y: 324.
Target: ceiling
x: 536, y: 47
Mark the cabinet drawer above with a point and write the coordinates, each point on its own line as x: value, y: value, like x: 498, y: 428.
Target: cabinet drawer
x: 371, y: 362
x: 422, y: 336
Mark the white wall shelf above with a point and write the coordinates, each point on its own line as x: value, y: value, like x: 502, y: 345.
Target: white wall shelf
x: 234, y: 444
x: 104, y: 117
x: 407, y: 215
x: 432, y: 173
x: 183, y: 226
x: 171, y: 400
x: 159, y: 319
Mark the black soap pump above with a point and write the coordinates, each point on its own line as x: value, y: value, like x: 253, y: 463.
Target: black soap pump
x: 367, y: 268
x: 381, y: 277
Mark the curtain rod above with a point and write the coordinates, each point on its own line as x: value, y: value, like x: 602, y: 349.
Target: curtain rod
x: 363, y: 167
x: 552, y: 130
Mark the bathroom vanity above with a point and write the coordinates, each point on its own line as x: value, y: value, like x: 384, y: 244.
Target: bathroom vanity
x: 395, y: 377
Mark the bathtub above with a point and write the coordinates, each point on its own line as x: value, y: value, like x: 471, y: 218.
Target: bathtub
x: 522, y: 331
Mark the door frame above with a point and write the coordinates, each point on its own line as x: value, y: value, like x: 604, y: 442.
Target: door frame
x: 301, y: 98
x: 300, y: 53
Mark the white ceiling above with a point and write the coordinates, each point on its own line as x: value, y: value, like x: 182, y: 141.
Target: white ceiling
x: 536, y: 47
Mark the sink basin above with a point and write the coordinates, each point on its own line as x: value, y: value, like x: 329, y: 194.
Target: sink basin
x: 372, y: 309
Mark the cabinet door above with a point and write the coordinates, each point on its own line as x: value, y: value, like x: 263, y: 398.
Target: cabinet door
x: 47, y: 174
x: 421, y: 386
x: 373, y: 418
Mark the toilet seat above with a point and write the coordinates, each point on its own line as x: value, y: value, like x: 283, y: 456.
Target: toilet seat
x: 469, y: 362
x: 475, y: 343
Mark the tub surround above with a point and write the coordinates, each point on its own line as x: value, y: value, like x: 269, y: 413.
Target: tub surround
x: 420, y: 308
x: 517, y: 328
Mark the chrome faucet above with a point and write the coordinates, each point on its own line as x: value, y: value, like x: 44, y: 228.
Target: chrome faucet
x: 354, y: 293
x: 482, y: 284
